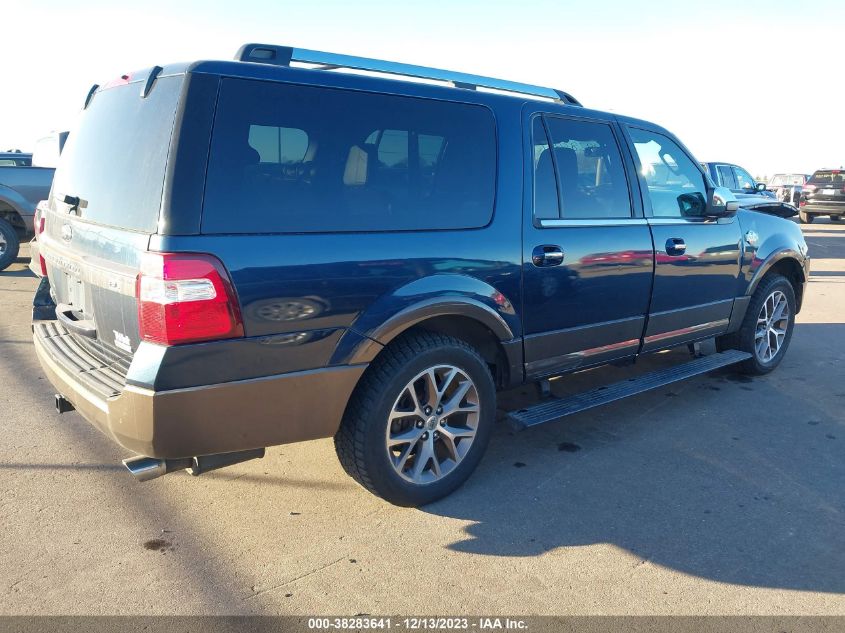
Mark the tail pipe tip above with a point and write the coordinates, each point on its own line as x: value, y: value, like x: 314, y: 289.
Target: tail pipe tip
x: 145, y: 468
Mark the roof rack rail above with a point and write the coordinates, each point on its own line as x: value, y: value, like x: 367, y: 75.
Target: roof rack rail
x: 284, y: 55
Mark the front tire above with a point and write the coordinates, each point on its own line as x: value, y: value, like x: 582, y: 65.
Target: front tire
x: 836, y: 218
x: 767, y: 327
x: 419, y: 421
x: 9, y: 244
x: 806, y: 218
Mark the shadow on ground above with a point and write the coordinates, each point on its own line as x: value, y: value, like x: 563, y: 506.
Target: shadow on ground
x: 754, y: 497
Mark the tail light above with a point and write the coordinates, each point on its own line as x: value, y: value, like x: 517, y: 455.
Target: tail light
x: 40, y: 222
x: 186, y: 298
x: 808, y: 188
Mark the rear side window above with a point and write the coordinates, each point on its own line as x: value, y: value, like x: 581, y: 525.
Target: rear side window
x: 287, y: 158
x: 115, y: 158
x: 726, y: 176
x: 590, y: 176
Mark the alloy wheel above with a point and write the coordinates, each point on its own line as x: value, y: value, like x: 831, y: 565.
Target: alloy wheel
x: 432, y: 424
x: 772, y: 326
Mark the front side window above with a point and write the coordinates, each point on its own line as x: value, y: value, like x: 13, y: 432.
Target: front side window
x: 590, y: 175
x: 288, y: 158
x: 744, y: 179
x: 675, y: 185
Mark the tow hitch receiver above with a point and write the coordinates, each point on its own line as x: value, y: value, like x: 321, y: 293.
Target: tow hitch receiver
x: 146, y: 468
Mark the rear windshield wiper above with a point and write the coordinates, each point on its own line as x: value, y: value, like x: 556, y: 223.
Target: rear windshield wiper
x: 75, y: 203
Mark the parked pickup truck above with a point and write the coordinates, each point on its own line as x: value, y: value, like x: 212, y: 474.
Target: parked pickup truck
x: 737, y: 179
x: 248, y: 253
x: 22, y: 186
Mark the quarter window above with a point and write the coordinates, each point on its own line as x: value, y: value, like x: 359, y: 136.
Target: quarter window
x: 675, y: 184
x: 287, y: 158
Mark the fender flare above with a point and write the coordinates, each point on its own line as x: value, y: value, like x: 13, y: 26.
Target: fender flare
x: 423, y: 299
x: 770, y: 261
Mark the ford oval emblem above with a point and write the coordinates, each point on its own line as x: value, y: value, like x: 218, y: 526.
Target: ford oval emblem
x: 67, y: 232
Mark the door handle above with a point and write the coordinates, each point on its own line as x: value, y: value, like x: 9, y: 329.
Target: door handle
x: 547, y: 255
x: 675, y: 246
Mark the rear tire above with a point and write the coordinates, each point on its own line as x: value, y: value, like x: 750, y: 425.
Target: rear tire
x: 9, y: 244
x: 767, y: 327
x: 407, y: 441
x: 836, y: 218
x: 806, y: 218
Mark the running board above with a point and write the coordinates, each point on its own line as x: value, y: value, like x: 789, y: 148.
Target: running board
x: 556, y: 408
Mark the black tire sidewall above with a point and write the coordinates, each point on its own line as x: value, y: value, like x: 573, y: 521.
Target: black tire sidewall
x: 749, y: 327
x: 12, y: 244
x: 805, y: 218
x: 385, y: 479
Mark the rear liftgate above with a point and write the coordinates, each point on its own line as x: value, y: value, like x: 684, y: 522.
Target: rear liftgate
x: 553, y: 408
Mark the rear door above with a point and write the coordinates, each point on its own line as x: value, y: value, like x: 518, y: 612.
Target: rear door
x: 587, y: 251
x: 697, y: 260
x: 103, y: 207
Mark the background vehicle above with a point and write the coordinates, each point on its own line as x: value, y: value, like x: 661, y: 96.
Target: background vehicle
x: 21, y: 188
x: 737, y: 179
x: 15, y: 159
x: 788, y: 187
x: 824, y: 194
x: 250, y: 254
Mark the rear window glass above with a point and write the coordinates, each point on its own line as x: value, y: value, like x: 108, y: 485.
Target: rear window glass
x: 833, y: 177
x: 115, y: 157
x: 287, y: 158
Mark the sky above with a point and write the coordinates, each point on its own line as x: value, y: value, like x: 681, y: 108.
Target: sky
x: 760, y: 84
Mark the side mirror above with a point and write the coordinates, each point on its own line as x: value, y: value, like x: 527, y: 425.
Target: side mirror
x: 761, y: 186
x: 722, y: 203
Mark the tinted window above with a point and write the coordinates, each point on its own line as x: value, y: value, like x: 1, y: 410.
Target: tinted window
x: 675, y: 184
x: 116, y: 156
x: 591, y: 178
x: 726, y: 176
x: 833, y: 177
x: 346, y: 161
x: 545, y: 184
x: 744, y: 179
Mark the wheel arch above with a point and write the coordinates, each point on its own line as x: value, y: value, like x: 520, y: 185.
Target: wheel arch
x: 466, y: 308
x: 12, y: 209
x: 788, y: 264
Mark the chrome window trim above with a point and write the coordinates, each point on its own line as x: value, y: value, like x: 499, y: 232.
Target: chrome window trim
x: 551, y: 223
x: 690, y: 221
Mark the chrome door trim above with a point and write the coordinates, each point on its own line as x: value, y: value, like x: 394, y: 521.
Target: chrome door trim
x: 692, y: 329
x: 550, y: 223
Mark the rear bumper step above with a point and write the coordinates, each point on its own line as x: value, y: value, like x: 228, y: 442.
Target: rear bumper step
x: 556, y: 408
x: 146, y: 468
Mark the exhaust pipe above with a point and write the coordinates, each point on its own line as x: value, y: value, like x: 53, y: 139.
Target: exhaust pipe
x: 146, y: 468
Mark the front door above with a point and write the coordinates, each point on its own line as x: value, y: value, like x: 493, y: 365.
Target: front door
x: 697, y: 260
x: 587, y: 250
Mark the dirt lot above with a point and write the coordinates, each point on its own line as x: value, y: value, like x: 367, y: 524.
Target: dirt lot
x: 717, y: 495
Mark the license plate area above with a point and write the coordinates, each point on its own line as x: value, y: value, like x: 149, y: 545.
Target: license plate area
x: 75, y: 293
x: 828, y: 192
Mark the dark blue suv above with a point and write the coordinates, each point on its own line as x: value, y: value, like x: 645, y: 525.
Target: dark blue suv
x: 248, y: 253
